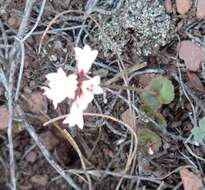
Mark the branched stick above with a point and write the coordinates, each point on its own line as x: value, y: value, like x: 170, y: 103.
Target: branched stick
x: 20, y: 70
x: 14, y: 55
x: 21, y: 41
x: 99, y: 173
x: 37, y: 21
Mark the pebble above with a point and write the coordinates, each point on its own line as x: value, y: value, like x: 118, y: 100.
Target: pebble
x: 168, y: 6
x: 191, y: 53
x: 183, y: 6
x: 38, y: 102
x: 31, y: 157
x: 41, y: 180
x: 49, y: 140
x: 14, y: 21
x: 53, y: 58
x: 200, y: 13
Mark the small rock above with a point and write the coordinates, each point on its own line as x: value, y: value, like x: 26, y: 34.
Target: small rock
x: 191, y: 53
x: 31, y: 157
x: 38, y: 102
x: 49, y: 140
x: 32, y: 84
x: 4, y: 116
x: 41, y: 180
x: 183, y: 6
x: 190, y: 180
x: 27, y: 90
x: 58, y: 45
x: 25, y: 186
x: 200, y: 13
x: 53, y: 58
x: 168, y: 6
x: 14, y: 21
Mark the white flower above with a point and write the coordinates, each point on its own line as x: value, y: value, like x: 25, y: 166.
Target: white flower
x: 89, y: 88
x: 75, y: 117
x: 74, y: 86
x: 60, y: 86
x: 85, y: 57
x: 92, y: 85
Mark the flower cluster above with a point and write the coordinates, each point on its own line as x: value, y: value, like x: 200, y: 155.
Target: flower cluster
x: 74, y: 86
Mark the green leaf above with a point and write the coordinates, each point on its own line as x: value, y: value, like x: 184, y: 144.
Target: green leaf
x: 150, y: 100
x: 146, y: 135
x: 159, y: 118
x: 160, y: 91
x: 199, y: 132
x: 156, y: 84
x: 147, y: 109
x: 202, y: 122
x: 164, y: 88
x: 167, y: 92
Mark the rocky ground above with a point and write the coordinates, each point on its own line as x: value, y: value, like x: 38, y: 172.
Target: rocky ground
x: 146, y: 131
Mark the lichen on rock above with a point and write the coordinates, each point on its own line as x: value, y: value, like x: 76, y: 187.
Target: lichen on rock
x: 148, y: 21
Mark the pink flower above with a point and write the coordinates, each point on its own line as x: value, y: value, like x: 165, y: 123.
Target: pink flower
x: 60, y: 86
x: 85, y: 58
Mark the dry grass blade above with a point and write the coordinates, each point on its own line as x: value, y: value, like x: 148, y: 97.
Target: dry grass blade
x: 133, y: 147
x: 14, y: 57
x: 45, y: 152
x: 69, y: 138
x: 53, y: 21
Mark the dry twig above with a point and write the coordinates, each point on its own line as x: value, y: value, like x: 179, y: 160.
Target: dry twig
x: 14, y: 56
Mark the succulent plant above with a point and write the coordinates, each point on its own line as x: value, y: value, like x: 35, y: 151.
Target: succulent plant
x: 199, y: 132
x: 160, y: 91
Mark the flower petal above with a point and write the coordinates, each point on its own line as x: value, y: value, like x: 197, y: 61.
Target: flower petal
x: 71, y: 86
x: 55, y: 98
x: 59, y: 74
x: 92, y: 85
x: 83, y: 101
x: 89, y: 88
x: 60, y: 86
x: 75, y: 117
x: 98, y: 90
x: 85, y: 58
